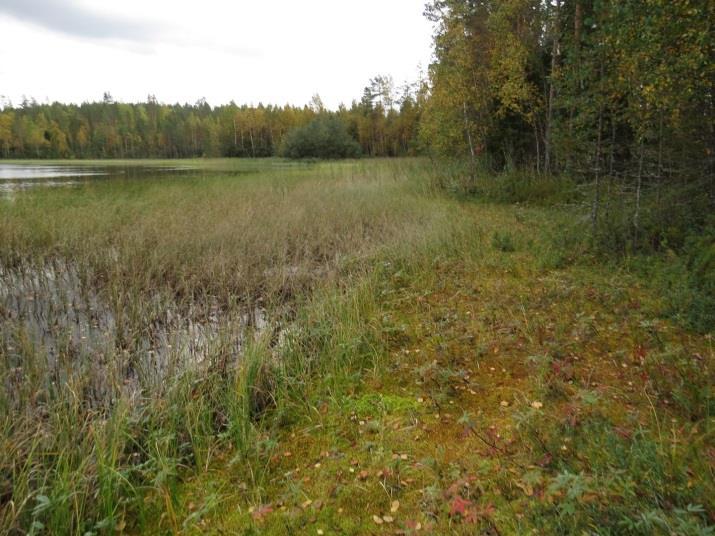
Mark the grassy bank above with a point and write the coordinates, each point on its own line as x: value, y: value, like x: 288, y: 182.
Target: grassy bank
x: 125, y: 303
x: 338, y: 349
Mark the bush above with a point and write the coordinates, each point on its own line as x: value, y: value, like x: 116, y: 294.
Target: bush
x: 503, y: 241
x: 670, y: 215
x: 480, y: 181
x: 687, y: 282
x: 324, y: 137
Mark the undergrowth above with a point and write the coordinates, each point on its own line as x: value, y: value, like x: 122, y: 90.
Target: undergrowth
x: 418, y: 363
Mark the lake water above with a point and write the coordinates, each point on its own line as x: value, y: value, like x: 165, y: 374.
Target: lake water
x: 66, y: 317
x: 21, y: 176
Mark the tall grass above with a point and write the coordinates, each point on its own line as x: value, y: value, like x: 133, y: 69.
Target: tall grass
x: 664, y: 229
x: 142, y: 320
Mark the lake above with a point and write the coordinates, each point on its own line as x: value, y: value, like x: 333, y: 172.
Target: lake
x: 19, y: 176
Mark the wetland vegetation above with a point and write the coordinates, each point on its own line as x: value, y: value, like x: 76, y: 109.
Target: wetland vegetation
x: 275, y: 347
x: 508, y: 330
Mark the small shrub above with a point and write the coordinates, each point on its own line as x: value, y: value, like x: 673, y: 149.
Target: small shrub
x: 668, y: 217
x: 696, y: 300
x: 479, y: 180
x: 526, y: 187
x: 685, y: 280
x: 596, y: 482
x: 684, y: 379
x: 503, y: 241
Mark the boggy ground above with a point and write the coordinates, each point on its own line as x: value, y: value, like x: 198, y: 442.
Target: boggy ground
x: 424, y: 364
x: 482, y: 391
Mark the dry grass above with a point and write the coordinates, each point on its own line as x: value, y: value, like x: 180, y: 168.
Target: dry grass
x: 119, y: 298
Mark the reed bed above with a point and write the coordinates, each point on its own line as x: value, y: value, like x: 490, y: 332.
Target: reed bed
x: 138, y: 318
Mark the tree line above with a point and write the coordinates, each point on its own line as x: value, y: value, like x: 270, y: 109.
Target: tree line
x: 620, y: 94
x: 597, y: 89
x: 384, y: 122
x: 585, y: 86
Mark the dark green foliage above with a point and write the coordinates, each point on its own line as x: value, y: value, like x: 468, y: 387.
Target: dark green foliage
x: 521, y: 187
x: 323, y: 137
x: 687, y: 282
x: 669, y: 215
x: 614, y: 95
x: 503, y: 241
x: 614, y: 99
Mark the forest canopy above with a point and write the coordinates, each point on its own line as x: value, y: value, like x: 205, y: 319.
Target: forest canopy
x: 618, y: 96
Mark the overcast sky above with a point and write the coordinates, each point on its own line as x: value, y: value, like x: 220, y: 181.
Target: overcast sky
x: 270, y: 51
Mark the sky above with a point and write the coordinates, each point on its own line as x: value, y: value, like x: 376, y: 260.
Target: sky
x: 248, y: 51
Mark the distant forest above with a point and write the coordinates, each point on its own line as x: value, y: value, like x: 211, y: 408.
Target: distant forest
x: 590, y: 88
x: 384, y: 123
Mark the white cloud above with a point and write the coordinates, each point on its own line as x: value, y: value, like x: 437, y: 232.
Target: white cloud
x: 274, y: 51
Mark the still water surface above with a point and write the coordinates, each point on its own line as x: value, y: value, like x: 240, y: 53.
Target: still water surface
x: 69, y: 320
x: 21, y: 176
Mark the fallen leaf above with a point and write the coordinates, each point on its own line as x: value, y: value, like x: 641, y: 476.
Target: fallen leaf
x: 378, y: 520
x: 546, y: 460
x: 459, y: 506
x: 413, y: 525
x: 625, y: 433
x: 261, y: 512
x: 395, y: 506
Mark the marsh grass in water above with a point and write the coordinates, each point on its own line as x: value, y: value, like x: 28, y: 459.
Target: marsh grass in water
x: 129, y: 307
x: 266, y: 347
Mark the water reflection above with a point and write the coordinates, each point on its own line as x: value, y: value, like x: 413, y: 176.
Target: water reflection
x: 34, y: 171
x: 22, y: 176
x: 54, y: 319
